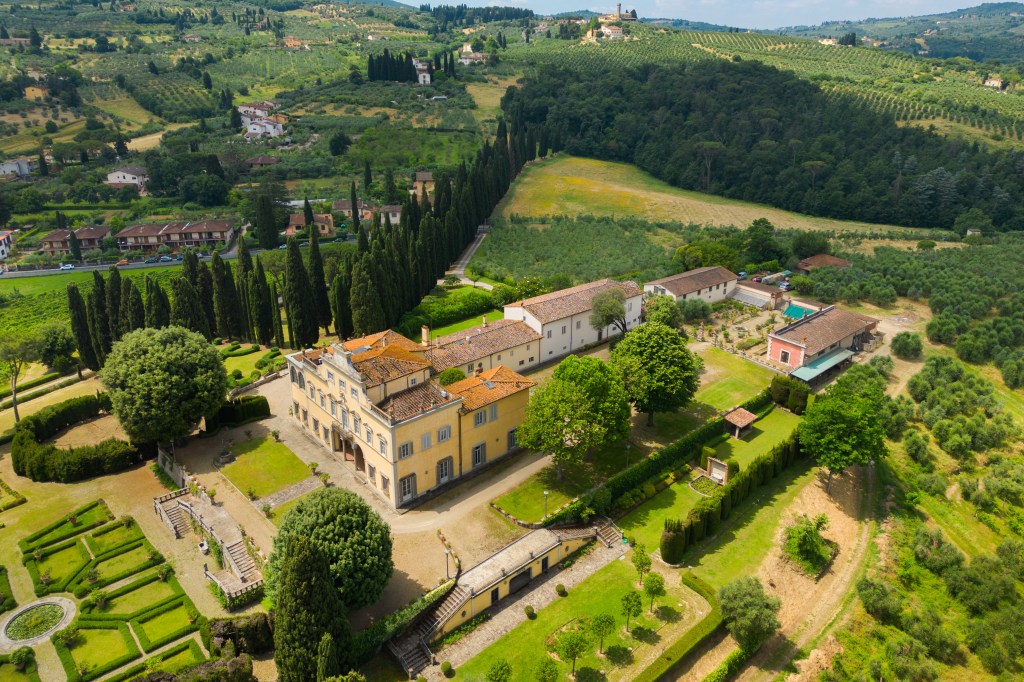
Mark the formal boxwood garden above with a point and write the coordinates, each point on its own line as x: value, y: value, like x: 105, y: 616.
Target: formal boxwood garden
x: 9, y: 671
x: 170, y: 661
x: 34, y: 621
x: 9, y: 498
x: 115, y: 565
x: 98, y: 648
x: 158, y: 626
x: 77, y: 522
x: 113, y: 535
x: 7, y: 601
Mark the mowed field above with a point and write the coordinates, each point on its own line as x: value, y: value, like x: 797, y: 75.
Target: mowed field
x: 570, y: 186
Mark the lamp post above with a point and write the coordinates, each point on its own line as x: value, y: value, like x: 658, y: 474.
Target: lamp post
x: 447, y: 574
x: 628, y: 446
x: 545, y: 504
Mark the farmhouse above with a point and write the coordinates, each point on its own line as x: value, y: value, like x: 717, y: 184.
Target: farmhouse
x: 176, y: 235
x: 469, y: 58
x: 994, y: 82
x: 261, y: 109
x: 712, y: 284
x: 297, y: 224
x: 371, y: 401
x: 503, y: 342
x: 344, y: 207
x: 262, y: 161
x: 422, y: 180
x: 19, y: 168
x: 263, y: 127
x: 562, y: 318
x: 821, y: 341
x: 129, y: 176
x: 36, y: 93
x: 422, y: 71
x: 757, y: 295
x: 89, y: 237
x: 6, y: 243
x: 612, y: 32
x: 822, y: 260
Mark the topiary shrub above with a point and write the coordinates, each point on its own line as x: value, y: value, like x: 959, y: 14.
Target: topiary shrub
x: 530, y: 613
x: 560, y: 589
x: 447, y: 670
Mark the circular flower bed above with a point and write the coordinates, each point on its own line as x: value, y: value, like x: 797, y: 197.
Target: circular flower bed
x: 34, y: 622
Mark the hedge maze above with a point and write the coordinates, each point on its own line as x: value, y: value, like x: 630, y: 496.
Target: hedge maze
x: 131, y: 604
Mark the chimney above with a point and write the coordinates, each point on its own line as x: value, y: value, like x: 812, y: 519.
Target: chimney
x: 468, y: 340
x: 425, y: 335
x: 485, y: 321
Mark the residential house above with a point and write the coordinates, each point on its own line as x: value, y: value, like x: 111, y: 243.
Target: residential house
x: 613, y: 32
x: 6, y: 244
x: 562, y: 318
x: 822, y: 260
x: 175, y: 235
x: 293, y: 43
x: 469, y: 58
x: 19, y: 168
x: 511, y: 343
x: 263, y: 127
x: 262, y: 161
x: 15, y: 42
x: 828, y: 41
x: 372, y: 402
x: 36, y: 93
x: 712, y: 284
x: 420, y: 181
x: 821, y: 342
x: 364, y: 209
x: 58, y: 242
x: 392, y: 212
x: 757, y: 295
x: 261, y: 109
x: 191, y: 38
x: 994, y: 82
x: 129, y: 176
x: 297, y: 225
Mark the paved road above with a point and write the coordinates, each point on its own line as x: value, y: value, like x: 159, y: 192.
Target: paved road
x: 459, y: 267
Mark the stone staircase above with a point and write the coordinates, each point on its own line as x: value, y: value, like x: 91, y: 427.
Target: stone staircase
x: 245, y: 567
x: 179, y: 520
x: 609, y: 534
x: 411, y: 649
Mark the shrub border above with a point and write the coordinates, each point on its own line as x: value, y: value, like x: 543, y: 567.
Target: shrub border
x: 31, y: 671
x: 7, y: 600
x: 149, y: 645
x: 33, y: 569
x: 80, y: 590
x: 18, y: 497
x: 22, y: 399
x: 140, y: 669
x: 67, y: 660
x: 92, y: 613
x: 110, y: 528
x: 28, y: 544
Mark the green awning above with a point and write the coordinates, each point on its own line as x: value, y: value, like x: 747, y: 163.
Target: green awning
x: 796, y: 312
x: 816, y: 368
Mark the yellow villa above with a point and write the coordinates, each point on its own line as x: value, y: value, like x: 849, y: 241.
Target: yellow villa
x: 373, y: 401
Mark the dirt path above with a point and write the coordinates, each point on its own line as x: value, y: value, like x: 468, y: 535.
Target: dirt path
x: 809, y: 607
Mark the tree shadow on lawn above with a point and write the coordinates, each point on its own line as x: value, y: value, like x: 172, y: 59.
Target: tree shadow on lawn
x: 400, y: 590
x: 200, y: 454
x: 619, y: 656
x: 588, y: 674
x: 645, y: 634
x: 668, y: 614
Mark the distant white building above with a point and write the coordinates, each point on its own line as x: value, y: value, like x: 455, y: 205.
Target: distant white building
x: 21, y: 167
x: 6, y: 243
x: 263, y: 127
x: 129, y: 175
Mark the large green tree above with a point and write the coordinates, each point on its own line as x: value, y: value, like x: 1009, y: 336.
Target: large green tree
x: 318, y: 283
x: 367, y: 310
x: 56, y: 346
x: 749, y: 614
x: 583, y: 405
x: 133, y: 313
x: 570, y: 645
x: 186, y: 310
x: 15, y: 353
x: 99, y: 324
x: 352, y: 537
x: 308, y: 607
x: 158, y: 306
x: 261, y: 307
x: 80, y: 327
x: 267, y: 233
x: 299, y: 298
x: 162, y: 382
x: 341, y: 302
x: 608, y: 308
x: 663, y: 310
x: 660, y: 372
x: 845, y: 424
x: 114, y: 303
x: 225, y: 299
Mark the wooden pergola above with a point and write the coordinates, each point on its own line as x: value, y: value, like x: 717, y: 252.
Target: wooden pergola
x: 739, y: 422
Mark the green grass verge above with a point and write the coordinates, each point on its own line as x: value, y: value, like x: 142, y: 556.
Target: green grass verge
x: 693, y: 637
x: 9, y: 498
x: 264, y: 466
x: 645, y: 523
x: 170, y: 661
x: 9, y: 673
x: 59, y: 564
x: 115, y: 565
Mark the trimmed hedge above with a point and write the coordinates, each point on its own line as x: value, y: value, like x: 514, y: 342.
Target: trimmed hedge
x: 236, y: 351
x: 42, y: 462
x: 62, y: 586
x: 32, y: 383
x: 81, y: 591
x: 31, y: 671
x: 140, y: 669
x: 7, y: 404
x: 10, y: 492
x: 68, y: 661
x: 90, y: 539
x: 657, y: 465
x: 33, y: 541
x: 180, y: 602
x: 7, y: 601
x: 248, y: 408
x: 732, y: 664
x: 367, y: 643
x: 692, y: 638
x: 95, y: 615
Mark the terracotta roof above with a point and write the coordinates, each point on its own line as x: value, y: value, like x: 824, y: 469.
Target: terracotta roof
x: 819, y: 330
x: 386, y: 363
x: 388, y: 337
x: 177, y: 227
x: 695, y: 280
x: 299, y: 219
x: 424, y: 176
x: 823, y: 260
x: 462, y: 348
x: 263, y: 161
x: 490, y: 386
x: 567, y: 302
x: 57, y: 236
x: 92, y: 232
x: 415, y: 401
x: 741, y: 418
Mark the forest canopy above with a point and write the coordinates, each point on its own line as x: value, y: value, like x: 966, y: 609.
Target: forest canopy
x: 748, y: 131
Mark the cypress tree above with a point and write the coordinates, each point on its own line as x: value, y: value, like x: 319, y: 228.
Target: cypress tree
x: 100, y: 324
x: 204, y: 290
x: 266, y: 228
x: 308, y: 605
x: 74, y: 245
x: 114, y: 304
x: 367, y: 312
x: 367, y: 176
x: 225, y: 299
x: 190, y: 267
x: 362, y: 241
x: 302, y: 314
x: 276, y: 312
x: 158, y: 309
x: 260, y: 305
x: 355, y: 209
x: 132, y: 315
x: 341, y: 292
x: 318, y: 284
x: 185, y: 308
x: 307, y: 213
x: 80, y: 327
x: 326, y: 659
x: 243, y: 266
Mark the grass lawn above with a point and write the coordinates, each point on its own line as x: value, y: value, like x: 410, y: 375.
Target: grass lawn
x: 264, y: 466
x: 64, y: 563
x: 119, y: 536
x: 166, y: 623
x: 8, y: 673
x: 474, y: 321
x: 729, y: 380
x: 765, y: 434
x: 136, y: 600
x: 645, y: 523
x: 181, y: 659
x: 527, y: 500
x: 87, y: 387
x: 571, y: 186
x: 98, y: 512
x: 123, y: 562
x: 601, y: 593
x: 98, y: 647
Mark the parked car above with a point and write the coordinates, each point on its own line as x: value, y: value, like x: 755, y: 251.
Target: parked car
x: 283, y: 246
x: 166, y: 259
x: 179, y: 257
x: 741, y: 274
x: 67, y: 266
x: 304, y: 244
x: 123, y: 261
x: 756, y: 279
x: 785, y: 286
x: 153, y: 259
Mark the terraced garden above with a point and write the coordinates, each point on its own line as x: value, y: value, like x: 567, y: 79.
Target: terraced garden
x: 130, y: 605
